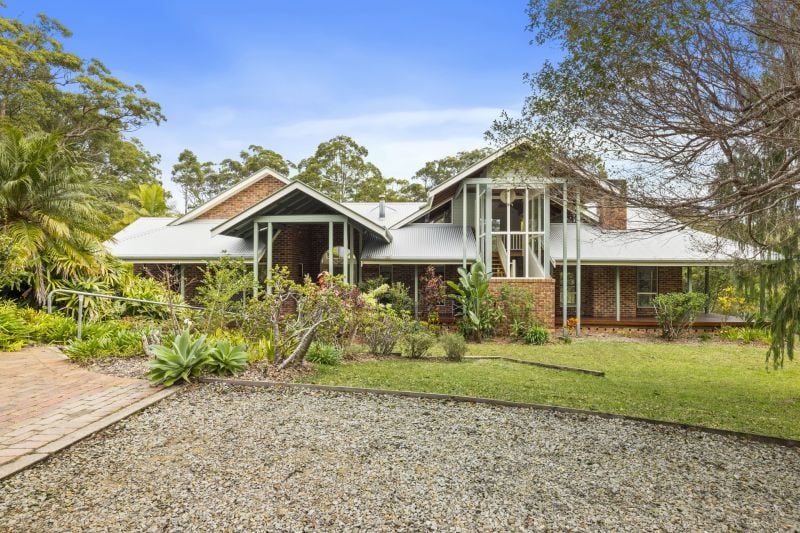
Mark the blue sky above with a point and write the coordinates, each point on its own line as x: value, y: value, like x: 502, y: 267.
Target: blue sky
x: 411, y: 80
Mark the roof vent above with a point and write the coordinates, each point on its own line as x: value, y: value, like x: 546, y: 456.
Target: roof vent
x: 382, y: 208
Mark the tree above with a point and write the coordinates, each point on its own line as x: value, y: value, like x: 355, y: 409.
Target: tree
x: 188, y: 173
x: 254, y: 159
x: 148, y: 200
x: 696, y: 102
x: 339, y: 169
x: 439, y: 170
x: 43, y: 87
x: 202, y: 181
x: 51, y: 211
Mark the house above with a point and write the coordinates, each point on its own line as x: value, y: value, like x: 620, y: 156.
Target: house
x: 527, y: 230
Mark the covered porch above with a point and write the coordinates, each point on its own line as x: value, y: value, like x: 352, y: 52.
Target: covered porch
x: 305, y: 231
x: 703, y: 321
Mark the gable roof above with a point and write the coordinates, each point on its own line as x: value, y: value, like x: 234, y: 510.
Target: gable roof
x: 242, y: 185
x: 298, y: 186
x: 480, y: 165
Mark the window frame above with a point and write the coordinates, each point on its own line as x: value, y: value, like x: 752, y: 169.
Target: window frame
x: 390, y: 278
x: 572, y: 289
x: 654, y: 286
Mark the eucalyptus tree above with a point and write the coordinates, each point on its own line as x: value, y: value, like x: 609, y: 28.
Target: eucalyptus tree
x: 695, y: 103
x: 435, y: 172
x: 201, y: 181
x: 338, y: 168
x: 45, y: 87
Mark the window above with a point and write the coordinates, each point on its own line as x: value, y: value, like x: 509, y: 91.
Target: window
x: 385, y: 271
x: 646, y: 283
x: 571, y: 289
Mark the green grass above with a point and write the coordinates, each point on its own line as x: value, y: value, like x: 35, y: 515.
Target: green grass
x: 717, y: 385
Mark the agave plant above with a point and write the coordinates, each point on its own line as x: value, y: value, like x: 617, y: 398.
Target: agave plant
x: 185, y: 359
x: 227, y: 358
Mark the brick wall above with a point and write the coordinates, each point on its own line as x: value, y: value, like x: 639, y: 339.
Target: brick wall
x: 248, y: 197
x: 542, y: 293
x: 586, y: 293
x: 288, y: 251
x: 598, y: 291
x: 612, y: 211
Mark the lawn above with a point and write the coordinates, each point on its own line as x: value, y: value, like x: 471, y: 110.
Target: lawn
x: 718, y: 385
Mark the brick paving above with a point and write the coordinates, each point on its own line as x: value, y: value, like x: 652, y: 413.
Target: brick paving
x: 47, y: 403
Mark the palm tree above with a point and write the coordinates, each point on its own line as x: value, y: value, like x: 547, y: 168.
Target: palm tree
x: 50, y: 209
x: 147, y: 200
x: 151, y: 200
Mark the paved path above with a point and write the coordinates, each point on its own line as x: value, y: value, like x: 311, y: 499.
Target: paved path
x: 48, y: 403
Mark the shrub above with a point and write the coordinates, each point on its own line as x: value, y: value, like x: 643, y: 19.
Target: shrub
x: 184, y: 359
x: 394, y: 294
x: 146, y: 289
x: 675, y: 311
x: 383, y: 328
x: 52, y: 328
x: 324, y: 354
x: 455, y: 347
x: 745, y: 334
x: 223, y: 292
x: 536, y: 334
x: 262, y: 350
x: 418, y: 342
x: 94, y: 309
x: 113, y: 343
x: 517, y: 307
x: 14, y: 331
x: 434, y: 293
x: 226, y: 357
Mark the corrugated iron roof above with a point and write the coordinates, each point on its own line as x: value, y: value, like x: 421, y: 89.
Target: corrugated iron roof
x: 637, y: 245
x: 423, y: 243
x: 395, y: 211
x: 152, y: 238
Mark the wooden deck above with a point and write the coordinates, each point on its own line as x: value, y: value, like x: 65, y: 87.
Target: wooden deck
x: 705, y: 320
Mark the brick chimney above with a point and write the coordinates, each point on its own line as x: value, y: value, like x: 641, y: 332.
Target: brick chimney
x: 612, y: 210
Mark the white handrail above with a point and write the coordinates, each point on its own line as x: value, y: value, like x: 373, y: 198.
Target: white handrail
x: 501, y: 251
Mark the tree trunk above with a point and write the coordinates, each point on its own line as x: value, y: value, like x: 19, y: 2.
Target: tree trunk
x: 302, y: 348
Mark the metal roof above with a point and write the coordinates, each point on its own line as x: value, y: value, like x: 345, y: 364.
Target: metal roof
x: 297, y: 198
x: 640, y: 246
x: 152, y: 239
x: 421, y: 243
x: 395, y: 211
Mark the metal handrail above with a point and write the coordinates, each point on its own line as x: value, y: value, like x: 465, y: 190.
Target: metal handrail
x: 82, y: 294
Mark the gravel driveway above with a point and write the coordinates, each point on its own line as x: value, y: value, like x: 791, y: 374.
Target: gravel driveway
x: 222, y: 458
